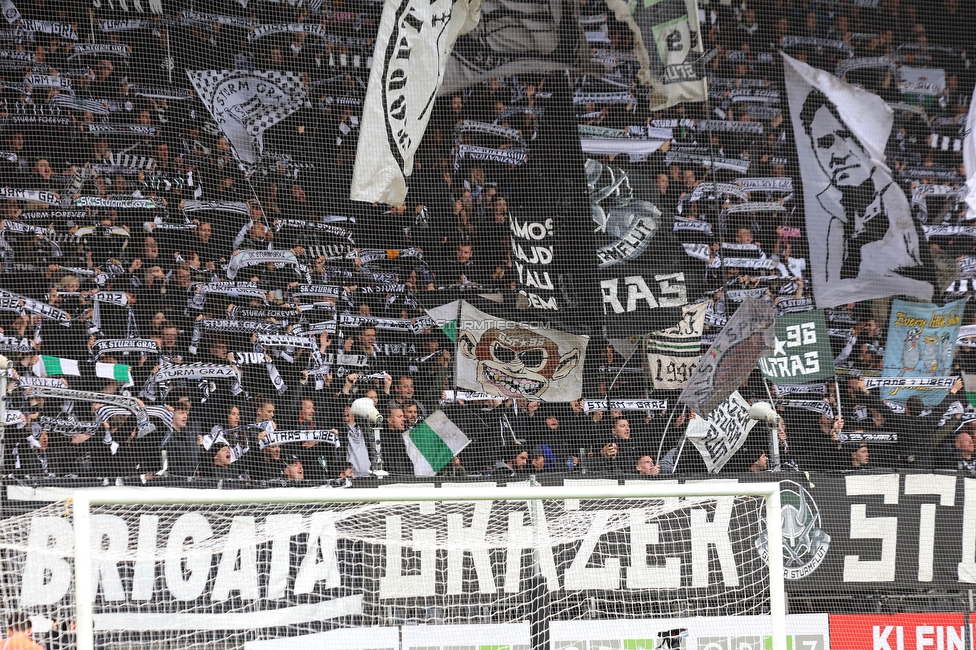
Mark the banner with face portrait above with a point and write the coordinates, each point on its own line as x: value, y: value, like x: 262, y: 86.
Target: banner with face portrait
x: 863, y: 241
x: 921, y: 343
x: 511, y: 359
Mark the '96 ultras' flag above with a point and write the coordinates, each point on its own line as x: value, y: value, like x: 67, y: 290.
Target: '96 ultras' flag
x: 413, y: 45
x: 802, y: 351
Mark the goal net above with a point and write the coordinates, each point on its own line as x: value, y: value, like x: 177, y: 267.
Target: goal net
x: 524, y: 567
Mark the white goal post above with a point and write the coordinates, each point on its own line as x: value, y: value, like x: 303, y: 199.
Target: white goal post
x: 86, y: 558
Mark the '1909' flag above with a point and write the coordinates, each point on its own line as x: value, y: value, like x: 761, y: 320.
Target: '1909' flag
x: 802, y: 351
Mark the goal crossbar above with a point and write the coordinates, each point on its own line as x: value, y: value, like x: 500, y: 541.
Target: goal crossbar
x: 82, y: 500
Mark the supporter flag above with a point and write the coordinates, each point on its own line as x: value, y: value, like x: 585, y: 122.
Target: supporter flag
x: 673, y: 353
x: 921, y: 343
x: 969, y: 385
x: 550, y: 228
x: 668, y: 46
x: 518, y: 37
x: 802, y: 352
x: 412, y: 48
x: 863, y: 241
x: 114, y: 371
x: 510, y: 359
x: 446, y: 318
x: 969, y: 159
x: 719, y: 435
x: 47, y: 366
x: 727, y: 364
x: 645, y: 276
x: 434, y: 443
x: 246, y: 103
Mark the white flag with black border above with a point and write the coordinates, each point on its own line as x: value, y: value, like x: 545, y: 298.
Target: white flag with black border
x: 413, y: 46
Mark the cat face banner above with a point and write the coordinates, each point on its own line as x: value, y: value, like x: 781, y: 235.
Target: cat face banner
x: 511, y: 359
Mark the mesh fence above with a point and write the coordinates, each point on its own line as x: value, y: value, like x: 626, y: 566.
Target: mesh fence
x: 533, y: 218
x: 226, y: 575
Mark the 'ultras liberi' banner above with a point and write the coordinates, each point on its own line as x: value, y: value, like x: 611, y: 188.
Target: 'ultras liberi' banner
x: 802, y: 351
x: 859, y: 224
x: 921, y: 343
x: 511, y: 359
x: 412, y: 49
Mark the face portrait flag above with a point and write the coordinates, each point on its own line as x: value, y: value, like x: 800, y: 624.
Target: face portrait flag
x: 863, y: 240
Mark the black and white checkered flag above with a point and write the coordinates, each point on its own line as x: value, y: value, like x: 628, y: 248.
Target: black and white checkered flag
x: 245, y: 103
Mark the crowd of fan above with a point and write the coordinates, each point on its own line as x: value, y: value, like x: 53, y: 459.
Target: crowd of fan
x: 172, y: 207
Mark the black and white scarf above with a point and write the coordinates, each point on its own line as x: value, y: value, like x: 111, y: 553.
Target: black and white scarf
x: 206, y: 372
x: 125, y: 346
x: 275, y: 438
x: 255, y: 257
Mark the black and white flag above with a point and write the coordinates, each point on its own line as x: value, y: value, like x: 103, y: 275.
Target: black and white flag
x: 668, y: 46
x: 413, y: 46
x: 246, y: 103
x: 863, y: 240
x: 515, y: 37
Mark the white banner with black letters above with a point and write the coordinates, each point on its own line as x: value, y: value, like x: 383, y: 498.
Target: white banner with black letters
x: 722, y: 433
x: 412, y: 49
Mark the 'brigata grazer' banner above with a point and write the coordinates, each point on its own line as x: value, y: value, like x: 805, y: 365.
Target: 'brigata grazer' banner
x: 853, y: 532
x: 230, y: 567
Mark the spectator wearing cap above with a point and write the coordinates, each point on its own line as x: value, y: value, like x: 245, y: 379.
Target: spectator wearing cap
x: 293, y: 470
x: 542, y: 459
x: 222, y: 468
x: 516, y: 464
x: 860, y: 456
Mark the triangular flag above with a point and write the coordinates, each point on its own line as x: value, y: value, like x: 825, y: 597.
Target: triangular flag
x: 434, y: 443
x: 445, y: 316
x: 114, y: 371
x: 47, y: 366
